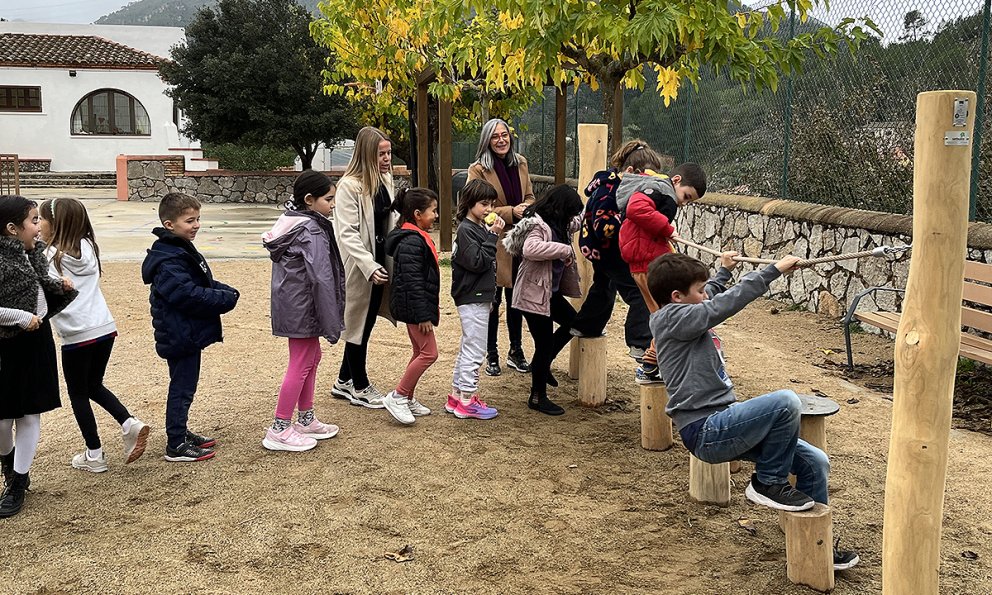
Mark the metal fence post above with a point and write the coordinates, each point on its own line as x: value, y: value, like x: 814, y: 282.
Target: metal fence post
x: 688, y: 127
x: 788, y: 117
x: 976, y: 150
x: 544, y: 140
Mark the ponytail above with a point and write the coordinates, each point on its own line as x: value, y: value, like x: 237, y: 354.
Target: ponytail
x: 410, y: 200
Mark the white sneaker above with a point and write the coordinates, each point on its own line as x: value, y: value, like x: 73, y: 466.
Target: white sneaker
x: 135, y: 440
x: 83, y: 463
x: 398, y: 406
x: 288, y: 440
x: 343, y: 390
x: 417, y: 408
x: 368, y: 397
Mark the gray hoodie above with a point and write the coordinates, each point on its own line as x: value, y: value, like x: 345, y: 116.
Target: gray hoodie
x: 689, y: 355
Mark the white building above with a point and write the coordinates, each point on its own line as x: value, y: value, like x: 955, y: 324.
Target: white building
x: 77, y: 96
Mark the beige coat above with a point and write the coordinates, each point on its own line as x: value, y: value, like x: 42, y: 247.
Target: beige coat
x: 504, y: 263
x: 354, y: 230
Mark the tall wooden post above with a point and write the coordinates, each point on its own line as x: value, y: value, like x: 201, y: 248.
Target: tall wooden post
x: 926, y: 344
x: 423, y: 137
x: 445, y: 212
x: 561, y: 107
x: 592, y: 158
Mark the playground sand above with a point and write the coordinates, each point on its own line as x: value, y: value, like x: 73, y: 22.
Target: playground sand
x: 523, y: 503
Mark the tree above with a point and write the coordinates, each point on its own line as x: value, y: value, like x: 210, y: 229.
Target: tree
x: 913, y: 24
x: 608, y: 44
x: 250, y: 73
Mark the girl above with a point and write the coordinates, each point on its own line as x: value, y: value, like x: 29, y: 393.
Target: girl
x: 506, y: 170
x: 415, y: 294
x: 87, y: 330
x: 547, y: 276
x: 29, y: 374
x: 307, y: 303
x: 364, y: 217
x: 473, y: 285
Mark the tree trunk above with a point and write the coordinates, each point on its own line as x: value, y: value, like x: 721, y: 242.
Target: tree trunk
x: 613, y: 110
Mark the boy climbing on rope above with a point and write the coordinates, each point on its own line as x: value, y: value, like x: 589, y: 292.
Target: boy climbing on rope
x: 702, y: 404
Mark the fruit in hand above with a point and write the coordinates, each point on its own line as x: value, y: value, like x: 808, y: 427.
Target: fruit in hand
x: 491, y: 218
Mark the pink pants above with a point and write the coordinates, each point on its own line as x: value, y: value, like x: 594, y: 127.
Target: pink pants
x: 424, y: 354
x: 301, y: 376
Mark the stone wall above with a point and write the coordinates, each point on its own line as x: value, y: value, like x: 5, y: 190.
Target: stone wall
x: 769, y: 228
x: 148, y: 179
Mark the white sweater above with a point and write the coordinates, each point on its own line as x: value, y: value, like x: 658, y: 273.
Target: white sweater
x: 88, y: 316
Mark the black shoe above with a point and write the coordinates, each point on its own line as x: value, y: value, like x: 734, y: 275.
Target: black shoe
x: 780, y: 496
x: 13, y: 495
x: 187, y: 452
x: 544, y: 405
x: 844, y: 559
x: 7, y: 467
x: 516, y: 360
x: 198, y: 440
x: 492, y: 365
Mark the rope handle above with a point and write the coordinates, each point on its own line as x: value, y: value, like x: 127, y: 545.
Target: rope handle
x: 879, y: 252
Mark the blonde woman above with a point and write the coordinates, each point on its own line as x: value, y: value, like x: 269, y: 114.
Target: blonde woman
x: 362, y: 220
x: 497, y: 163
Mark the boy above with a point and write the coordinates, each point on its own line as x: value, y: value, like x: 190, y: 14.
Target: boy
x: 649, y: 202
x: 702, y: 404
x: 186, y: 305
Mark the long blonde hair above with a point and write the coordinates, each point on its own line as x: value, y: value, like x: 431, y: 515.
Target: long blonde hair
x: 364, y: 164
x: 70, y: 225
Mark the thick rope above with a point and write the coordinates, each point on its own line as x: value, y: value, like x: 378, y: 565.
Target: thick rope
x: 879, y: 252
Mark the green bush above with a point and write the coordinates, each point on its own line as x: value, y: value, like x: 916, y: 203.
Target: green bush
x: 249, y: 158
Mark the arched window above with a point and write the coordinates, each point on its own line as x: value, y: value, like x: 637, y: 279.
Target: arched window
x: 110, y: 111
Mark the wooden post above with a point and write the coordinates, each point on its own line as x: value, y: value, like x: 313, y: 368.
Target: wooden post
x: 656, y: 426
x: 445, y: 211
x: 561, y: 108
x: 809, y: 547
x: 814, y: 431
x: 423, y: 137
x: 592, y: 377
x: 709, y: 484
x: 592, y: 158
x: 926, y: 344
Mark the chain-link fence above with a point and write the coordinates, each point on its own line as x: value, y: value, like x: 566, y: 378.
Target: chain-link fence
x: 840, y: 133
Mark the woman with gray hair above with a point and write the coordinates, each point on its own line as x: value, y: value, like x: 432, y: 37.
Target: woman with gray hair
x: 497, y: 163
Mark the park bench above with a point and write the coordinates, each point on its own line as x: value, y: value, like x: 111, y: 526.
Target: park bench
x: 977, y: 292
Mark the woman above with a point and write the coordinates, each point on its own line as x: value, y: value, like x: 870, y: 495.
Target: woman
x: 498, y: 164
x: 362, y: 220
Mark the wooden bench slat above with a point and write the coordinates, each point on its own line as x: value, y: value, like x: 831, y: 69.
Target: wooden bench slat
x: 978, y: 271
x: 976, y: 354
x: 883, y: 320
x: 976, y: 319
x: 976, y: 341
x: 980, y: 294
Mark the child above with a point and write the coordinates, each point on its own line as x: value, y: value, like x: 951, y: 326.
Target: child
x: 307, y: 303
x: 473, y: 287
x: 186, y: 304
x: 415, y: 294
x: 547, y: 276
x: 88, y: 331
x: 29, y: 373
x: 599, y: 242
x: 648, y: 202
x: 713, y: 425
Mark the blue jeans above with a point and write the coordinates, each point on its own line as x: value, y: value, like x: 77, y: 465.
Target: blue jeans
x: 765, y: 430
x: 184, y: 373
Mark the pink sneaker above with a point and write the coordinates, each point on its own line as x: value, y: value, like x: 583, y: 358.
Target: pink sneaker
x: 452, y: 403
x: 317, y: 429
x: 288, y: 439
x: 475, y: 409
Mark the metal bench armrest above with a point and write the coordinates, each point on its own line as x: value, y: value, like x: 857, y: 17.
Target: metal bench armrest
x: 850, y: 316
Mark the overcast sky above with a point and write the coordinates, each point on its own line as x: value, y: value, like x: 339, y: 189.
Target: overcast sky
x: 887, y: 14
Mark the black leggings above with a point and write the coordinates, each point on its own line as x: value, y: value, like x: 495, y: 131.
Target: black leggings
x: 84, y: 368
x: 353, y: 366
x: 514, y: 322
x: 548, y: 342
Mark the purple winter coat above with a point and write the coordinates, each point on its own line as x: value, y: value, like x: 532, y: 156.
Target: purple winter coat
x: 307, y: 278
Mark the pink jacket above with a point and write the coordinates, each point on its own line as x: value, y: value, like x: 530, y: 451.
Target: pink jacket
x: 531, y: 239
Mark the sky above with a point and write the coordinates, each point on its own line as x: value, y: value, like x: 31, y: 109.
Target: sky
x: 58, y: 11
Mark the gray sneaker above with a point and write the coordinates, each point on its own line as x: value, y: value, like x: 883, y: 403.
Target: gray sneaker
x: 83, y: 463
x: 343, y: 390
x: 636, y: 353
x: 368, y: 397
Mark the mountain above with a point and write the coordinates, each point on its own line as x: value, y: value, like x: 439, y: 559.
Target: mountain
x: 166, y: 13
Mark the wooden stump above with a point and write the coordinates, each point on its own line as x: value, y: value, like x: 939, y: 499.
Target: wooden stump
x: 656, y: 426
x: 813, y: 423
x: 809, y: 547
x: 709, y: 484
x: 592, y: 371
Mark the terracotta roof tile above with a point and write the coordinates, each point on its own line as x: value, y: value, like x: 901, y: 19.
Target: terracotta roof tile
x: 71, y: 51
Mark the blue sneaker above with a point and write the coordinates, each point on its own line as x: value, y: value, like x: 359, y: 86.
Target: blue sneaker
x: 647, y: 376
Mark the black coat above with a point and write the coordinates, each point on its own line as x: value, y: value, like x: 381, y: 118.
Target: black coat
x: 186, y: 302
x: 20, y: 278
x: 415, y: 287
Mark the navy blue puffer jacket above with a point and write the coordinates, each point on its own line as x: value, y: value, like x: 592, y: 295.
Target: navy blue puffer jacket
x: 415, y: 287
x: 186, y: 302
